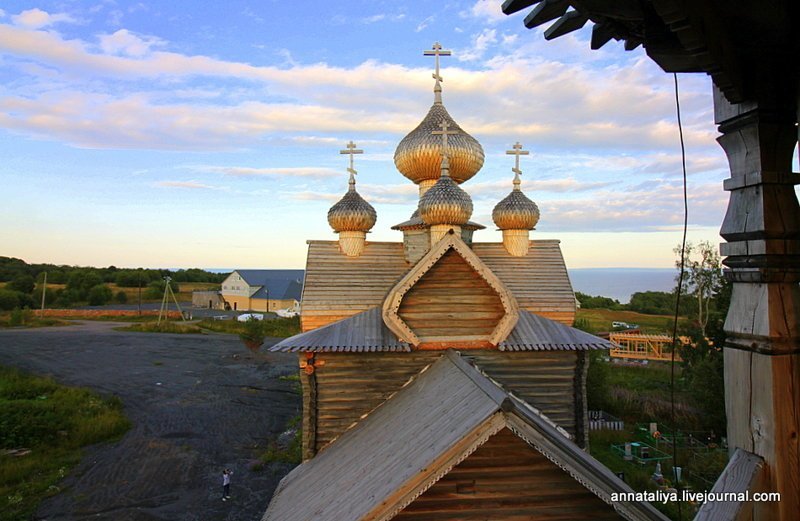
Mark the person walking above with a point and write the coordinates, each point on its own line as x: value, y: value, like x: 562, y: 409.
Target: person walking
x: 226, y: 484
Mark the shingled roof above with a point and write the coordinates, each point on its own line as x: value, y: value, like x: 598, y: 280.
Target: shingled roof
x: 455, y: 409
x: 366, y: 332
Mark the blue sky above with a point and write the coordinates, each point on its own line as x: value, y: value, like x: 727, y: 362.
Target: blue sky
x: 208, y: 133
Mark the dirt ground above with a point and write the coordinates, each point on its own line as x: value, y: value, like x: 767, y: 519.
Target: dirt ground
x: 198, y: 404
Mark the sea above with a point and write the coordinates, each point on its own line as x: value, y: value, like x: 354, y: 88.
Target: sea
x: 616, y: 283
x: 621, y: 283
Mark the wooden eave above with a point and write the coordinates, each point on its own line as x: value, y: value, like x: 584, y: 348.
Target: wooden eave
x: 450, y: 241
x: 743, y: 473
x: 366, y: 332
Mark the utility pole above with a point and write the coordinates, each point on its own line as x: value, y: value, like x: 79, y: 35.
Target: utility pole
x: 139, y: 273
x: 44, y: 289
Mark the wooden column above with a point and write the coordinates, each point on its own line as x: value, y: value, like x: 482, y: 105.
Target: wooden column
x: 762, y: 352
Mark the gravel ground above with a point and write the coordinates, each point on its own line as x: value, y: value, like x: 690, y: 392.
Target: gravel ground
x: 198, y: 403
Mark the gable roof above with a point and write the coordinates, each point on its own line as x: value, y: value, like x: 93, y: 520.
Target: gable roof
x: 275, y: 284
x: 372, y: 472
x: 339, y: 286
x: 366, y: 332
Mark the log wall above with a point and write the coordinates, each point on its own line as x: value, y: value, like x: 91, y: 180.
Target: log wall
x: 507, y: 479
x: 350, y: 385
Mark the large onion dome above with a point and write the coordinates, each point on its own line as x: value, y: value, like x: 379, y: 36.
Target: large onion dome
x: 516, y: 211
x: 419, y: 154
x: 445, y: 202
x: 352, y: 213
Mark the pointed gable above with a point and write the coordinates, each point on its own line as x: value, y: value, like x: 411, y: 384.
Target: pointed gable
x: 427, y: 432
x: 450, y: 298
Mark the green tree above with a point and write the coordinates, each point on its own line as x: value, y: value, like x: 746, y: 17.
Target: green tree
x: 702, y: 279
x: 598, y: 302
x: 99, y: 294
x: 21, y: 283
x: 82, y: 281
x: 121, y: 297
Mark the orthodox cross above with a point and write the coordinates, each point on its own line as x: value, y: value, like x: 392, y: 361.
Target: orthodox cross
x: 436, y: 52
x: 351, y: 151
x: 517, y: 152
x: 444, y: 133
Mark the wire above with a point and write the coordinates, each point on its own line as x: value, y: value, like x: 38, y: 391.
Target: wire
x: 678, y: 296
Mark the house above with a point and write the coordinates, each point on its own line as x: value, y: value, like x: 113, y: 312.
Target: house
x: 261, y: 290
x: 441, y: 377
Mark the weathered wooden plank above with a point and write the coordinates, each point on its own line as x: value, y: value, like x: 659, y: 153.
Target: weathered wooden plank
x: 743, y: 474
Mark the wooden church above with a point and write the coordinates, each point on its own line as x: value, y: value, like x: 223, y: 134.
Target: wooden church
x: 441, y: 376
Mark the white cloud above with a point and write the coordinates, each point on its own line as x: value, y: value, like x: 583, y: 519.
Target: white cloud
x: 480, y: 44
x: 192, y: 185
x: 425, y: 23
x: 486, y: 10
x: 36, y: 18
x: 126, y: 43
x: 244, y: 171
x: 90, y: 95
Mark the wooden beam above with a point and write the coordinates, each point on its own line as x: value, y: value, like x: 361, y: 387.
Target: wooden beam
x: 601, y: 34
x: 514, y: 6
x: 742, y: 475
x: 546, y: 11
x: 572, y: 21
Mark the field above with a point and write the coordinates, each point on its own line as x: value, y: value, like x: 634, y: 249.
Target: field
x: 43, y: 427
x: 600, y: 320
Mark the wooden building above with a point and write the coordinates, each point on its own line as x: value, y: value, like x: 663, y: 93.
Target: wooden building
x: 750, y: 50
x: 441, y: 376
x: 260, y: 290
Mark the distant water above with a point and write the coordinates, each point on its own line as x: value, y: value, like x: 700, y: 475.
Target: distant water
x: 621, y: 283
x: 617, y: 283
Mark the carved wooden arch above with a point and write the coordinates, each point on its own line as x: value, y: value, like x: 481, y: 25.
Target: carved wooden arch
x: 451, y: 241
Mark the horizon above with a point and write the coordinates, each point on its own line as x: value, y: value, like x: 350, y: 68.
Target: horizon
x: 139, y: 131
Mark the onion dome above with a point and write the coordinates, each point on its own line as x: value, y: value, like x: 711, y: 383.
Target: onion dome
x: 419, y: 154
x: 516, y: 211
x: 445, y: 202
x: 352, y: 213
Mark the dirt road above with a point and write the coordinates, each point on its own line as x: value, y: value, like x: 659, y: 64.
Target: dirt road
x: 198, y: 403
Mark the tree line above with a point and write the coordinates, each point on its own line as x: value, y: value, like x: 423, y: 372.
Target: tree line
x: 24, y: 283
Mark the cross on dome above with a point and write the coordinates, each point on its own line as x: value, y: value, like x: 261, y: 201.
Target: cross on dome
x: 437, y: 51
x: 351, y: 151
x: 517, y: 152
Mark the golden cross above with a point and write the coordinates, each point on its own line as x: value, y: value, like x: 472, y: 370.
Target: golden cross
x: 444, y: 133
x: 351, y: 151
x: 437, y: 51
x: 517, y: 152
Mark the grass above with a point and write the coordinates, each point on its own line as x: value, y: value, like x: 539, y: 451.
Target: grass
x: 166, y: 326
x: 291, y: 452
x: 54, y: 422
x: 27, y: 318
x: 276, y: 327
x: 601, y: 319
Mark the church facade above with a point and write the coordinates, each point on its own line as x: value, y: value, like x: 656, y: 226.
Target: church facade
x: 441, y: 376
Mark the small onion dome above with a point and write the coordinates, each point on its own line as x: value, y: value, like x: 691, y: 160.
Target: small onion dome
x: 419, y: 154
x: 516, y: 211
x: 352, y: 213
x: 445, y: 202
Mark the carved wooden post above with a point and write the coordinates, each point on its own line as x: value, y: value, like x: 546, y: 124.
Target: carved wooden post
x: 762, y: 352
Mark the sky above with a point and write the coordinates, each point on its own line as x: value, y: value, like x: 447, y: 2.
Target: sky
x: 182, y: 134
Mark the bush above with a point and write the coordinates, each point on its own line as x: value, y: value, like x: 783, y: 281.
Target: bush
x: 590, y: 302
x: 21, y: 283
x: 155, y: 289
x: 121, y: 297
x: 99, y: 295
x: 81, y: 282
x: 10, y: 299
